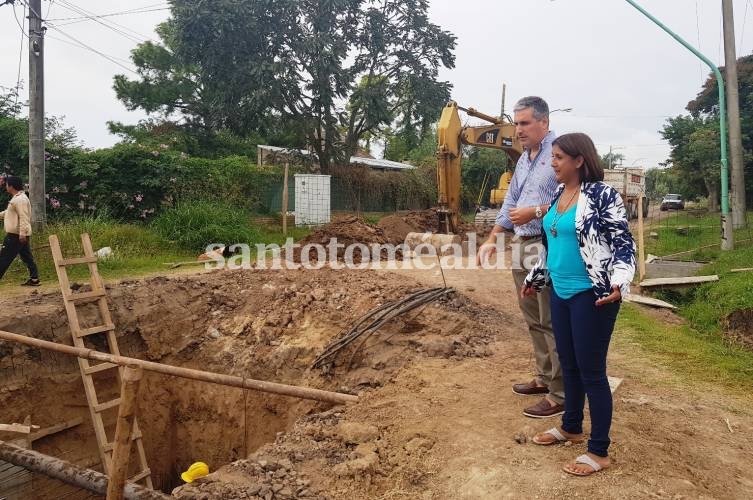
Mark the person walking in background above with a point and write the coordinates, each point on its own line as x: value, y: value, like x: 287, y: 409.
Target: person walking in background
x: 589, y: 262
x: 17, y: 223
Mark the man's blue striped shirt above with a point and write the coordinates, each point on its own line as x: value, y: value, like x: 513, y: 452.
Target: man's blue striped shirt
x: 532, y: 185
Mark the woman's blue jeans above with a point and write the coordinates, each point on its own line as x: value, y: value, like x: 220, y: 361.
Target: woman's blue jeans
x: 582, y: 332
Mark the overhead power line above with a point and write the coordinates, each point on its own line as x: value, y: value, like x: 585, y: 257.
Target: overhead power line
x: 111, y: 25
x: 81, y: 44
x: 111, y: 14
x: 745, y: 16
x: 20, y: 54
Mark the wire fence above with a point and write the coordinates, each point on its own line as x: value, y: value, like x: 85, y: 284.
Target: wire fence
x: 689, y: 234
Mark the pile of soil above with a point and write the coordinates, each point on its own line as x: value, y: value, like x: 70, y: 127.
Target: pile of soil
x: 738, y: 327
x: 389, y: 230
x: 395, y: 229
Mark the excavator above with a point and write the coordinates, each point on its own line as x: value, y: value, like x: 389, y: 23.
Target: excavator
x: 500, y: 134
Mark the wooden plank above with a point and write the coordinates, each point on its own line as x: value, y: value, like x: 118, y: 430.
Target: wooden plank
x: 689, y: 280
x: 107, y: 405
x: 84, y: 296
x: 649, y: 301
x: 19, y: 428
x: 99, y: 368
x: 136, y: 434
x: 95, y: 329
x: 54, y: 429
x: 660, y: 268
x: 141, y: 475
x: 77, y: 260
x: 741, y: 270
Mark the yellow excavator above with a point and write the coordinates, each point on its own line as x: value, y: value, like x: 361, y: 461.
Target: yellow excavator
x: 500, y: 134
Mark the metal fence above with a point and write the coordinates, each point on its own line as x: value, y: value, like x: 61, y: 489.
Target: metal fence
x: 344, y: 198
x: 690, y: 234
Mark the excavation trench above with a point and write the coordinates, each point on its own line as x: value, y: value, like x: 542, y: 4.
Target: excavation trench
x: 263, y: 325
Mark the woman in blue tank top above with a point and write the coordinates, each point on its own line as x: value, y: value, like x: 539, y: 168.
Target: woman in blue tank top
x: 589, y: 262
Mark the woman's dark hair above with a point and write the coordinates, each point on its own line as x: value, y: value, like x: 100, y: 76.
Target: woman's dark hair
x: 579, y: 144
x: 14, y: 182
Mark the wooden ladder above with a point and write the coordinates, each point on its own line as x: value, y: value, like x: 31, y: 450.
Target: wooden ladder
x: 71, y: 300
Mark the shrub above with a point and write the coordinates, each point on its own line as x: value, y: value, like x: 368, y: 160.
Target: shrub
x: 193, y: 225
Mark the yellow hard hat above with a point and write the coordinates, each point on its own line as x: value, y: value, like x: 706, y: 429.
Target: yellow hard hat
x: 197, y: 470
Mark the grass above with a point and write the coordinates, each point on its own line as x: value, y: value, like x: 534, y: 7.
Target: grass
x: 708, y: 305
x: 698, y: 350
x: 688, y: 231
x: 138, y: 249
x: 694, y: 355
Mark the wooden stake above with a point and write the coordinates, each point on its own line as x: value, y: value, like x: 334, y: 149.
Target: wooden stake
x: 285, y: 202
x: 641, y: 246
x: 126, y: 414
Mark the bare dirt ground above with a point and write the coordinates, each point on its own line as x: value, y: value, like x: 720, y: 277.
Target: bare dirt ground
x: 436, y: 418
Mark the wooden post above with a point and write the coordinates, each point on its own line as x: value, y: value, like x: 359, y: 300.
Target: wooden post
x: 121, y: 452
x: 641, y: 247
x: 285, y: 202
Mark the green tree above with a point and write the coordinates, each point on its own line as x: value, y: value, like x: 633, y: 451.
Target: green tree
x: 706, y: 105
x: 660, y: 181
x: 695, y: 156
x: 612, y: 159
x: 330, y: 71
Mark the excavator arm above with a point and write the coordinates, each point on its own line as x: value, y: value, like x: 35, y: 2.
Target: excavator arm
x: 500, y: 134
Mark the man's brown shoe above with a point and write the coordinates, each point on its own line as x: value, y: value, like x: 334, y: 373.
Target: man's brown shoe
x: 544, y: 409
x: 530, y: 388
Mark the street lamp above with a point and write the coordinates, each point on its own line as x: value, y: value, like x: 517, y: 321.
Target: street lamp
x: 728, y: 241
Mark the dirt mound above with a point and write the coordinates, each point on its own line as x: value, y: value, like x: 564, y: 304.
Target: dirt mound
x: 347, y: 231
x: 738, y: 327
x: 422, y: 221
x: 395, y: 229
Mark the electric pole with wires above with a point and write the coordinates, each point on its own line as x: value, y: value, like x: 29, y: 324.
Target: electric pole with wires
x: 737, y: 175
x: 36, y: 116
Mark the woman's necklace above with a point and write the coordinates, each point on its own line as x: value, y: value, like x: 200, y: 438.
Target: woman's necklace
x: 558, y: 215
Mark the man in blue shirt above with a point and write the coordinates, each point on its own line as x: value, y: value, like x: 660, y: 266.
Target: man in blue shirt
x: 528, y: 198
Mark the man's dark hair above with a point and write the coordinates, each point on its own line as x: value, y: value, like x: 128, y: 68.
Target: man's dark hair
x: 14, y: 182
x: 579, y: 144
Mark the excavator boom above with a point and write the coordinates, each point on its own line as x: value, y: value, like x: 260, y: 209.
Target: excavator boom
x: 500, y: 134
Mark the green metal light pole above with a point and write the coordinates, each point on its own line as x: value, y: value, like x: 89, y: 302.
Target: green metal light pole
x: 728, y: 242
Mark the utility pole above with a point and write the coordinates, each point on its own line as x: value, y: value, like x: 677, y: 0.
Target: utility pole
x: 504, y: 91
x: 36, y: 116
x: 610, y: 157
x: 737, y: 175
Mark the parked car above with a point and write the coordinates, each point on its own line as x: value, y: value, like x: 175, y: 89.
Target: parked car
x: 672, y: 201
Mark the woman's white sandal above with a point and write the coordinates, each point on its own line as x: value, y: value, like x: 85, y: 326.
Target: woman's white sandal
x: 559, y: 438
x: 584, y: 460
